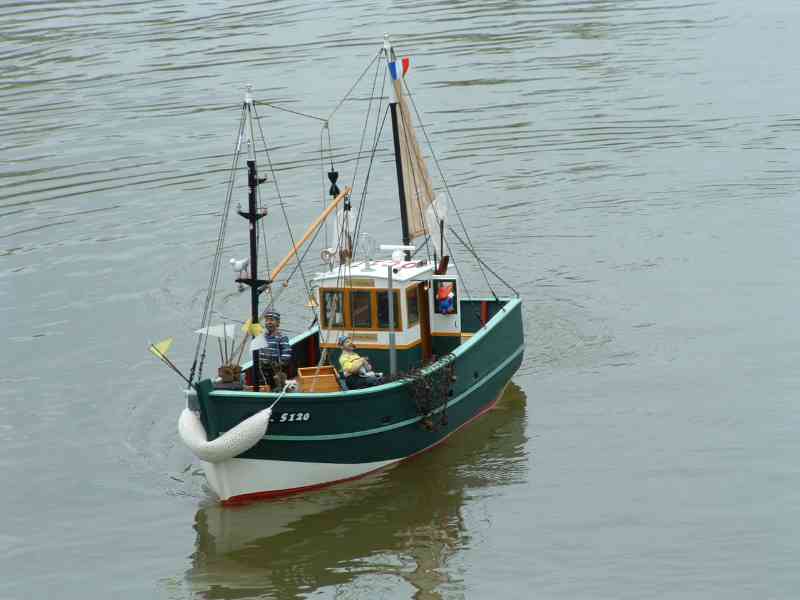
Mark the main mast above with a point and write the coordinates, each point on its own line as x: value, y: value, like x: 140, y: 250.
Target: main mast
x: 253, y: 215
x: 398, y: 158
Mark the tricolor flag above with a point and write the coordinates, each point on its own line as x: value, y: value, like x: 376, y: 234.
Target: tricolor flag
x: 398, y: 71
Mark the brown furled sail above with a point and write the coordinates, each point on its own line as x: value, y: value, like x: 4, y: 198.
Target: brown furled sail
x: 416, y: 180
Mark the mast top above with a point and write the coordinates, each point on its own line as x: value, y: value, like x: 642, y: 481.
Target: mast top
x: 388, y: 49
x: 248, y: 96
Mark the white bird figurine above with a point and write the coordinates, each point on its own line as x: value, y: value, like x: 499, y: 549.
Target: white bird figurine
x: 240, y: 267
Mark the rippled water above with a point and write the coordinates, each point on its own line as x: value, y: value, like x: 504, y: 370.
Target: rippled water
x: 630, y: 166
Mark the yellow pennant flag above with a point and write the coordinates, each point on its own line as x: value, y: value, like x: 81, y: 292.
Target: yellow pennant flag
x: 254, y: 329
x: 161, y: 348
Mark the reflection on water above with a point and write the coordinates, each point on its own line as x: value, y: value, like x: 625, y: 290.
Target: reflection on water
x: 405, y: 523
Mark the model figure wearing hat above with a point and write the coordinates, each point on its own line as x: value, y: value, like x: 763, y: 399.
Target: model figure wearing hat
x: 276, y: 354
x: 356, y: 369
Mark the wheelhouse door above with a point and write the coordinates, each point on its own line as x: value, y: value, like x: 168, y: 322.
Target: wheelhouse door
x: 424, y: 321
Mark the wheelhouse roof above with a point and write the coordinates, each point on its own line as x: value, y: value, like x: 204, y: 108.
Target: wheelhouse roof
x: 413, y: 270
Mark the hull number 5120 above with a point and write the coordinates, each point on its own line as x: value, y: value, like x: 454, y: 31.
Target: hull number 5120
x: 289, y: 417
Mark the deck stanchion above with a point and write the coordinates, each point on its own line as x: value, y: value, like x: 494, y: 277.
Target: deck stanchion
x: 392, y: 341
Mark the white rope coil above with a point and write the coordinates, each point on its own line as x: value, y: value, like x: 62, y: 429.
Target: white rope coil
x: 231, y: 443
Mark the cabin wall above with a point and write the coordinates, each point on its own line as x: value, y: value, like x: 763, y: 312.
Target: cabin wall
x: 471, y: 312
x: 305, y: 350
x: 444, y: 344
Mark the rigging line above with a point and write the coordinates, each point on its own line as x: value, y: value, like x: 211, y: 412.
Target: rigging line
x: 382, y: 97
x: 289, y: 110
x: 340, y: 276
x: 263, y: 231
x: 214, y: 282
x: 307, y: 249
x: 208, y: 305
x: 350, y: 91
x: 366, y: 120
x: 322, y: 170
x: 343, y: 233
x: 362, y: 203
x: 444, y: 180
x: 305, y: 252
x: 478, y: 258
x: 424, y: 244
x: 375, y: 141
x: 458, y: 270
x: 330, y: 145
x: 260, y: 224
x: 283, y: 207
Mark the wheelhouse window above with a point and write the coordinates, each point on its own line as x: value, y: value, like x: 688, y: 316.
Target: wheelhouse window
x: 332, y: 312
x: 412, y: 305
x: 361, y: 309
x: 383, y: 310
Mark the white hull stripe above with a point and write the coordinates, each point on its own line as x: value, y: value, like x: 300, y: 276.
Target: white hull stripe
x: 242, y: 476
x: 399, y: 424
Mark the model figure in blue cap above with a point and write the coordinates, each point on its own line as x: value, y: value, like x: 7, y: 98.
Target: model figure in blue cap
x: 275, y: 356
x: 356, y: 369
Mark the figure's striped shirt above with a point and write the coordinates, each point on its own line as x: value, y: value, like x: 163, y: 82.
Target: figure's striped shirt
x: 277, y: 349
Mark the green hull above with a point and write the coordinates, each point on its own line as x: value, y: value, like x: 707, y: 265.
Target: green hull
x: 380, y: 423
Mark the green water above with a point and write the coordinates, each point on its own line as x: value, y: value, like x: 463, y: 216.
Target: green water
x: 631, y: 166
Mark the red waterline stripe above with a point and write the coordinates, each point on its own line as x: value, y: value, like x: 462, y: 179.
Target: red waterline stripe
x: 255, y: 496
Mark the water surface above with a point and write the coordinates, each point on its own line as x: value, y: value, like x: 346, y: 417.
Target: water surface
x: 630, y: 166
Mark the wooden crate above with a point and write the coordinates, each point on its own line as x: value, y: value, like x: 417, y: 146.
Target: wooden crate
x: 229, y: 373
x: 318, y: 379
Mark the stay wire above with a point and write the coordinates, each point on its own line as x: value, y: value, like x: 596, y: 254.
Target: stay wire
x: 477, y: 258
x: 362, y: 203
x: 302, y: 258
x: 324, y: 183
x: 350, y: 91
x: 375, y: 141
x: 210, y: 293
x: 446, y: 186
x: 366, y: 120
x: 283, y: 208
x: 289, y: 110
x: 327, y: 127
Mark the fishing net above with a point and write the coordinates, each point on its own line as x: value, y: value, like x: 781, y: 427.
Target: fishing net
x: 430, y: 390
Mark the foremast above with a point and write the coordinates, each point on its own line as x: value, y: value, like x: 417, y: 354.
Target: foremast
x: 253, y: 215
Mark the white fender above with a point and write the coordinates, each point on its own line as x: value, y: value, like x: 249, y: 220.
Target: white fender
x: 231, y: 443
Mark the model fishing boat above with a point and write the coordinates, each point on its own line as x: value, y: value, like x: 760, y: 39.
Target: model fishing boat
x: 306, y: 412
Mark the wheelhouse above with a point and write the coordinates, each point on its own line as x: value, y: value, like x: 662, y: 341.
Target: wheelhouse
x: 426, y: 319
